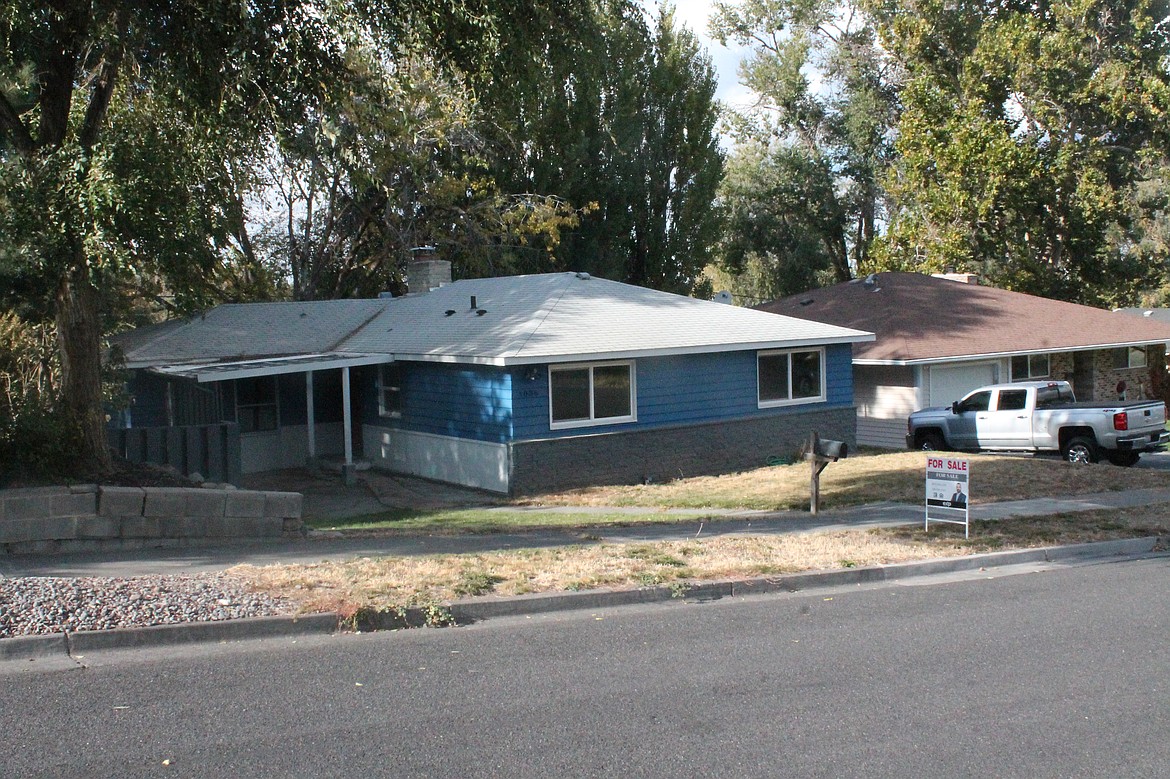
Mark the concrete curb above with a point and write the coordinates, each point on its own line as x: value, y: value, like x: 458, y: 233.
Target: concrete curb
x: 80, y: 642
x: 489, y: 607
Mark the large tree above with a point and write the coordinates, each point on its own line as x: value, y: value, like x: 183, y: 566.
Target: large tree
x: 822, y: 121
x: 1023, y: 136
x: 619, y: 119
x: 115, y: 117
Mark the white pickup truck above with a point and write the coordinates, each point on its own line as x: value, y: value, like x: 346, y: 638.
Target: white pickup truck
x: 1041, y: 416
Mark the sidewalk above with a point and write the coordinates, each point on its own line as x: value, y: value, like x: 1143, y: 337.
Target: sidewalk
x: 719, y: 523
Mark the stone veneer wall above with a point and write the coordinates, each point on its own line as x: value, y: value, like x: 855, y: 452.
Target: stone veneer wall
x: 86, y: 517
x: 662, y: 454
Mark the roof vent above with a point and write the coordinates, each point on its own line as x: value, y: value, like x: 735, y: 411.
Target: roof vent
x: 480, y: 311
x: 583, y: 276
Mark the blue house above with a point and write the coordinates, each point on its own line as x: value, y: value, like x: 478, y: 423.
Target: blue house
x: 516, y: 384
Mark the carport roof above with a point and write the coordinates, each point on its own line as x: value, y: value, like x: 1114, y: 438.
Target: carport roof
x: 923, y: 319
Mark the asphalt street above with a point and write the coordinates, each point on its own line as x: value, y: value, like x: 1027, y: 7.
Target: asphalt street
x: 1054, y: 672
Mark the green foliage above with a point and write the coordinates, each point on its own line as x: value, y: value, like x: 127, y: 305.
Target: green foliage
x: 397, y: 163
x: 616, y: 117
x: 33, y: 437
x: 1023, y: 139
x: 805, y: 197
x: 779, y: 209
x: 472, y: 583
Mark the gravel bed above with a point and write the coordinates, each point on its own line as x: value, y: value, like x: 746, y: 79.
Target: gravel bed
x: 37, y: 605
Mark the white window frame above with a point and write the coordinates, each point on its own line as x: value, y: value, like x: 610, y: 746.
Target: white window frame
x: 791, y: 401
x: 593, y: 421
x: 383, y: 411
x: 1031, y: 374
x: 1129, y: 362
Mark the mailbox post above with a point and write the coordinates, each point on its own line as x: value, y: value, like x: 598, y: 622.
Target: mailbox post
x: 821, y: 452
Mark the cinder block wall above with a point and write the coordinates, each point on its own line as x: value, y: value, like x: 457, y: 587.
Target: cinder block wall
x: 85, y: 517
x: 662, y: 454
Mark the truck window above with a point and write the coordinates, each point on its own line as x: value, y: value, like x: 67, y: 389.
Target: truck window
x: 1053, y: 396
x: 976, y: 402
x: 1012, y: 400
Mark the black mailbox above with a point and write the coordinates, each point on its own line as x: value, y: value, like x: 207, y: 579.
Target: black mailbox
x: 832, y: 450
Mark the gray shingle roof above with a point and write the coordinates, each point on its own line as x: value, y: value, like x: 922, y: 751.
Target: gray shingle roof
x: 919, y: 318
x: 249, y: 331
x: 526, y: 319
x: 560, y: 316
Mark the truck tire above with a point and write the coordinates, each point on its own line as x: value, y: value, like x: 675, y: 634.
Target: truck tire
x: 931, y: 442
x: 1124, y: 459
x: 1080, y: 450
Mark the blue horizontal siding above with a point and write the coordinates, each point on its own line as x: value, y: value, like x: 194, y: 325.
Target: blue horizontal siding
x: 684, y: 389
x: 459, y: 401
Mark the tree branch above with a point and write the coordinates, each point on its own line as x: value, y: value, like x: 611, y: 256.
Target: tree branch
x: 99, y: 99
x: 14, y: 128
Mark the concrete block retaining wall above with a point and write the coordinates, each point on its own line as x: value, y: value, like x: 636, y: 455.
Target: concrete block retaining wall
x: 87, y: 517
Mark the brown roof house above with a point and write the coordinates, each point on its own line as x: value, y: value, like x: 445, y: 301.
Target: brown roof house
x: 940, y: 337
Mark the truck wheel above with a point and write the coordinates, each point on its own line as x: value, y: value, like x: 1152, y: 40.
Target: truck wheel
x: 931, y: 442
x: 1080, y: 450
x: 1124, y: 459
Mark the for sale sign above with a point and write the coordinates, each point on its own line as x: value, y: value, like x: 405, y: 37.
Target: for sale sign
x: 948, y: 491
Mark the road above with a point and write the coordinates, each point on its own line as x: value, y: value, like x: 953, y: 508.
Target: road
x: 1055, y: 673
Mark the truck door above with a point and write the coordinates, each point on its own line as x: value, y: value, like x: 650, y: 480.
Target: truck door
x: 1006, y: 423
x: 963, y: 425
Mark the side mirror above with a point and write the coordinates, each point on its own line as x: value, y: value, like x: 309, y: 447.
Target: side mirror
x: 832, y: 450
x: 955, y: 407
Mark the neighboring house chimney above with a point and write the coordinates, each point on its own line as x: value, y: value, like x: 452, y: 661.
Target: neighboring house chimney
x: 966, y: 278
x: 424, y: 272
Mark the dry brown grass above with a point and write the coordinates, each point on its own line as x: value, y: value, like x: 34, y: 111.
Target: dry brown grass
x: 865, y: 479
x: 396, y: 582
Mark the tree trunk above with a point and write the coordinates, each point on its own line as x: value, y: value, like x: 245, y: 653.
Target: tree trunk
x: 79, y: 335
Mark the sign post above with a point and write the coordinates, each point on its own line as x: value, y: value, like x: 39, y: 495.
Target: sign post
x: 948, y: 491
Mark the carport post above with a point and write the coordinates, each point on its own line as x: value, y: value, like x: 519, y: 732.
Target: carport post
x: 345, y: 416
x: 312, y: 422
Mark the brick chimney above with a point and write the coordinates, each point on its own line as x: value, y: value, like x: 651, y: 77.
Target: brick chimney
x: 425, y: 272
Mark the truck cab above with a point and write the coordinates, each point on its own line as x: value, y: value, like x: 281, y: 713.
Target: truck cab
x: 1041, y: 416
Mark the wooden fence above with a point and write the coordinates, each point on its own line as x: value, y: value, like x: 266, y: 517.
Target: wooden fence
x: 212, y: 451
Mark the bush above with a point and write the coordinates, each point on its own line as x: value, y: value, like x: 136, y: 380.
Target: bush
x: 35, y: 440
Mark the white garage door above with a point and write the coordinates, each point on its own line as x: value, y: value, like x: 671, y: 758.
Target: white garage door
x: 949, y: 383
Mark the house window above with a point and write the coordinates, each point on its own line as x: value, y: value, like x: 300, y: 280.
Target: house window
x: 390, y: 390
x: 1132, y: 357
x: 790, y: 377
x: 583, y: 395
x: 256, y: 409
x: 1031, y: 366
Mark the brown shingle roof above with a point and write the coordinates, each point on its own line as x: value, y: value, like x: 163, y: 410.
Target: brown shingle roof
x: 920, y: 318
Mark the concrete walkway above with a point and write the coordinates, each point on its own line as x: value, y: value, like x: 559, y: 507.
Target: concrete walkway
x: 322, y: 547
